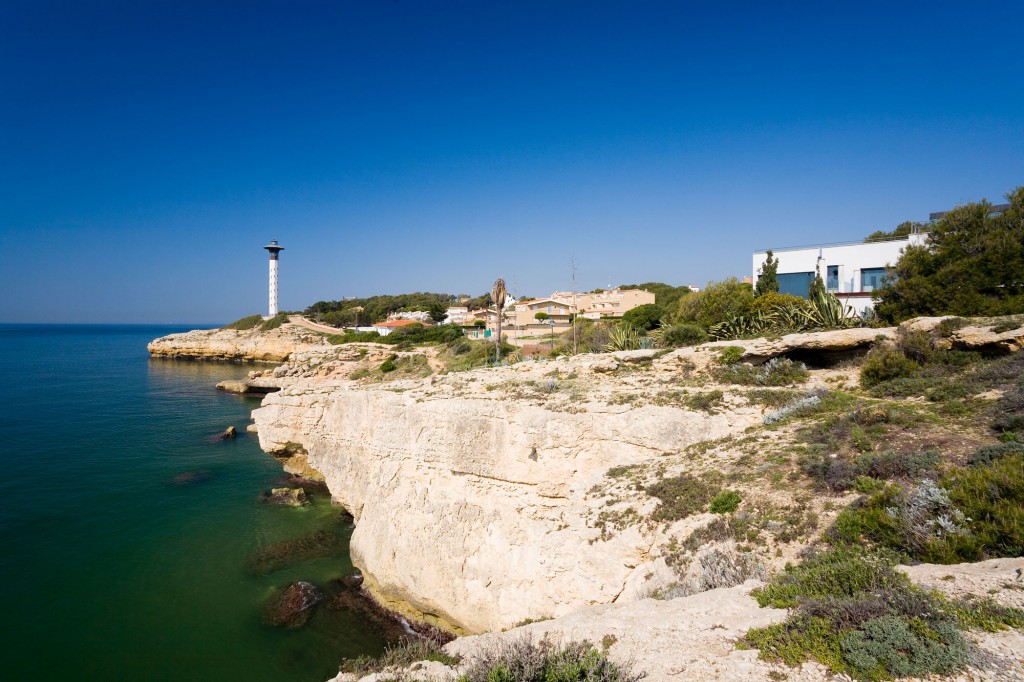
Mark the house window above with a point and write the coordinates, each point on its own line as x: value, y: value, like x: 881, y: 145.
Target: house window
x: 795, y: 283
x: 871, y: 278
x: 549, y: 309
x: 832, y: 281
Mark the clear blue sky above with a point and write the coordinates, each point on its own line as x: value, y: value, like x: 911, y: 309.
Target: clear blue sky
x: 149, y: 149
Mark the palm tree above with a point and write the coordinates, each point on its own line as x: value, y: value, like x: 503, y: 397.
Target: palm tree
x: 498, y: 296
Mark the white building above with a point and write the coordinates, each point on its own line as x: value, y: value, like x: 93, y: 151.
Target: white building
x: 850, y: 270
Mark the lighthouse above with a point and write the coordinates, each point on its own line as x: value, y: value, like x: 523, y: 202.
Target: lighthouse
x: 274, y: 248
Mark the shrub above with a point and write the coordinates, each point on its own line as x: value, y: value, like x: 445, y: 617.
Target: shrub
x: 791, y: 408
x: 856, y: 614
x: 523, y: 660
x: 725, y: 502
x: 245, y: 323
x: 274, y: 322
x: 680, y: 497
x: 718, y: 302
x: 889, y: 645
x: 776, y: 372
x: 884, y: 364
x: 949, y: 325
x: 389, y: 364
x: 730, y: 355
x: 644, y: 317
x: 916, y: 345
x: 990, y: 453
x: 398, y: 656
x: 972, y: 514
x: 706, y: 401
x: 683, y: 335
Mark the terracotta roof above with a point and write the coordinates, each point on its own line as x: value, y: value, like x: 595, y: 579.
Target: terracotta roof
x: 397, y: 323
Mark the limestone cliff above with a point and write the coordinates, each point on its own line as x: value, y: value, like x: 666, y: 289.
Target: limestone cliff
x: 474, y: 504
x: 250, y: 345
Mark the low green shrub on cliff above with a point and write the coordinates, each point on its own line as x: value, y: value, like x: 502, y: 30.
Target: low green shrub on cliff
x: 858, y: 615
x: 274, y: 322
x: 245, y: 323
x: 971, y: 514
x: 680, y: 497
x: 523, y: 660
x: 776, y: 372
x: 398, y: 656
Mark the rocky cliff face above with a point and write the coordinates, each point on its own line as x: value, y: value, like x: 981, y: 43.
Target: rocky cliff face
x: 474, y: 502
x: 251, y: 345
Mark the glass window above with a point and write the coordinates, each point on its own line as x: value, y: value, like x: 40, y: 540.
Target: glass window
x: 795, y: 283
x: 871, y: 278
x: 832, y: 283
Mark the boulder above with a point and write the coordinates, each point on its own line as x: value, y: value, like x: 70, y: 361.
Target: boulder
x: 229, y: 433
x: 293, y: 606
x: 288, y: 497
x: 233, y: 386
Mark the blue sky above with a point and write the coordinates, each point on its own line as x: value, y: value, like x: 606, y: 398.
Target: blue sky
x: 148, y: 150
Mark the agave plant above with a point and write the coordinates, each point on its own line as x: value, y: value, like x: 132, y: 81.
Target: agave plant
x: 623, y: 338
x: 821, y: 311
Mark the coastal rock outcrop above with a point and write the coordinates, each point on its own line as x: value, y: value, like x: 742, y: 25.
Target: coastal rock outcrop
x: 293, y: 606
x: 251, y: 345
x: 474, y: 511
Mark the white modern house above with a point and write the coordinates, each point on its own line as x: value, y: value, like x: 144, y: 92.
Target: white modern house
x: 851, y: 270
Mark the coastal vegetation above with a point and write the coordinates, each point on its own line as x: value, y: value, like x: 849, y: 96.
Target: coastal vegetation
x: 363, y: 312
x: 254, y: 321
x: 972, y: 265
x: 853, y: 611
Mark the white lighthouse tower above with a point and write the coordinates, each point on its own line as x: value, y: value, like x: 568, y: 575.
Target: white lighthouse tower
x: 273, y: 248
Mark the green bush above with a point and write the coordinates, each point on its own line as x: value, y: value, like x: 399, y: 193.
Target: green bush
x: 274, y: 322
x: 725, y: 502
x: 776, y: 372
x: 644, y: 317
x: 245, y: 323
x: 523, y: 660
x: 398, y: 656
x: 972, y: 514
x: 885, y: 364
x: 858, y: 615
x: 683, y: 335
x: 950, y: 325
x: 916, y: 345
x: 389, y: 364
x: 718, y: 302
x: 730, y: 355
x: 990, y: 453
x: 680, y: 497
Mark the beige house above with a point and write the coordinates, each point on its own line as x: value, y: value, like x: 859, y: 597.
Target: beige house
x: 611, y: 303
x: 561, y: 305
x: 557, y: 309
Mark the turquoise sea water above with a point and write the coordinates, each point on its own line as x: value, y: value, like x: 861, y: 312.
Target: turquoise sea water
x: 112, y: 567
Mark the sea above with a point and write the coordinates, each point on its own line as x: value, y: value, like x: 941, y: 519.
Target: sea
x: 127, y: 526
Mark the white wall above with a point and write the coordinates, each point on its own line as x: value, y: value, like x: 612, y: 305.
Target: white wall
x: 851, y: 259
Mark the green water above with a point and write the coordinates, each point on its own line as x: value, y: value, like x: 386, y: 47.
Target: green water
x: 111, y: 569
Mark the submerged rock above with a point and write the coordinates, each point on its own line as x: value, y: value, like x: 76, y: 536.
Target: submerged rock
x: 278, y: 555
x: 347, y: 594
x: 189, y: 477
x: 293, y: 606
x: 288, y: 497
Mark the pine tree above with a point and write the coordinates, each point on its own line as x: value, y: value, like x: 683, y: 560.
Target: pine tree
x: 766, y: 278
